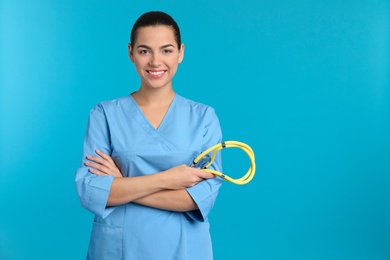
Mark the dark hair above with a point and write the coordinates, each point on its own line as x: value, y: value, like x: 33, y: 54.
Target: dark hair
x: 155, y: 18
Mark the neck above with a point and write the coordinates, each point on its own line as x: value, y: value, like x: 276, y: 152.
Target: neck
x: 154, y: 97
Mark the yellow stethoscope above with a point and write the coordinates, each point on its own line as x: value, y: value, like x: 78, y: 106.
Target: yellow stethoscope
x: 203, y: 161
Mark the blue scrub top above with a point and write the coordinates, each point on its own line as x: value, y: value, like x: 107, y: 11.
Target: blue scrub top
x: 132, y: 231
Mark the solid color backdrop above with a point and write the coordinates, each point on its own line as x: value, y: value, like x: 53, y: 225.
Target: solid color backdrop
x: 305, y: 83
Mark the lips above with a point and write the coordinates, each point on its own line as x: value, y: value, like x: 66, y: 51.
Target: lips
x: 156, y: 73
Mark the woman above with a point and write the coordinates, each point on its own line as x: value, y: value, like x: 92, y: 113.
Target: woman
x: 135, y: 174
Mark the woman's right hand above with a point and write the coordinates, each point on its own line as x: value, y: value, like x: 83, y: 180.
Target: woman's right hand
x: 103, y: 165
x: 183, y: 176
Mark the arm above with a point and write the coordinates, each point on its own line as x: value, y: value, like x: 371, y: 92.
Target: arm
x: 159, y: 190
x: 173, y: 200
x: 99, y: 193
x: 163, y: 190
x: 93, y: 190
x: 205, y: 193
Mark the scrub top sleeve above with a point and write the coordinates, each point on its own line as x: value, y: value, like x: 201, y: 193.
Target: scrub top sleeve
x: 205, y: 192
x: 93, y: 190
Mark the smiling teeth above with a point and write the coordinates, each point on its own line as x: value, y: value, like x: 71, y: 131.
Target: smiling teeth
x: 156, y: 72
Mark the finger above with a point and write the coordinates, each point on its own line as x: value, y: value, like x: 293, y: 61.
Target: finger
x: 96, y: 159
x: 97, y: 172
x: 99, y: 167
x: 105, y: 156
x: 206, y: 175
x: 100, y: 160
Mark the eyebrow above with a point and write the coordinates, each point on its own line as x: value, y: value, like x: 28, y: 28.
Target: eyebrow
x: 162, y: 47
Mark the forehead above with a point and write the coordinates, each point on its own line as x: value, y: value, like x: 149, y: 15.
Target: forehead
x: 155, y: 35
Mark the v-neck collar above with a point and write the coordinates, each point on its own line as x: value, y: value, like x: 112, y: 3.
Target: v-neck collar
x: 146, y: 122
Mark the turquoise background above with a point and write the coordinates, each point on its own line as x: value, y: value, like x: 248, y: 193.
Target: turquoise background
x: 305, y: 83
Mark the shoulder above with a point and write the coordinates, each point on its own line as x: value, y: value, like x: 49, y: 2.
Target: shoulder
x: 110, y: 105
x: 199, y: 107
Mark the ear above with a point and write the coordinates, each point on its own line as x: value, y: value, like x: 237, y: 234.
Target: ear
x: 130, y: 50
x: 181, y: 53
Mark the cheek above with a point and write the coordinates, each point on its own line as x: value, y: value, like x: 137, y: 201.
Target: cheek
x: 139, y: 64
x: 139, y: 69
x: 174, y: 61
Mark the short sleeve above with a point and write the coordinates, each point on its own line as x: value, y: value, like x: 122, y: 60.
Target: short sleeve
x: 93, y: 190
x: 205, y: 192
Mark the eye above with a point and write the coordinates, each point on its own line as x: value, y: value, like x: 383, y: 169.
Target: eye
x: 167, y: 51
x: 143, y: 51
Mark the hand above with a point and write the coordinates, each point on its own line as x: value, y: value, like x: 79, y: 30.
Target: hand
x: 103, y: 166
x: 183, y: 176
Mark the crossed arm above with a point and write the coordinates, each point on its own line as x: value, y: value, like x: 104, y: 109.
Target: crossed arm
x: 164, y: 190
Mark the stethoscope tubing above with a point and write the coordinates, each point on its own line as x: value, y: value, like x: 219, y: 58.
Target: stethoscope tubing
x: 229, y: 144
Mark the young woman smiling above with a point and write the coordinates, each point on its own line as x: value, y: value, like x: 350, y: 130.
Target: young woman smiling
x: 135, y: 175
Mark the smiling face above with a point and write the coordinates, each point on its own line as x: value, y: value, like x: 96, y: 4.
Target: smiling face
x: 156, y: 56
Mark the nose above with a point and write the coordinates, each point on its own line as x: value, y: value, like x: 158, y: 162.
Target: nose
x: 155, y: 60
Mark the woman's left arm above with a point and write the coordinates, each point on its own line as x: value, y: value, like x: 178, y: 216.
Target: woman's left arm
x: 173, y: 200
